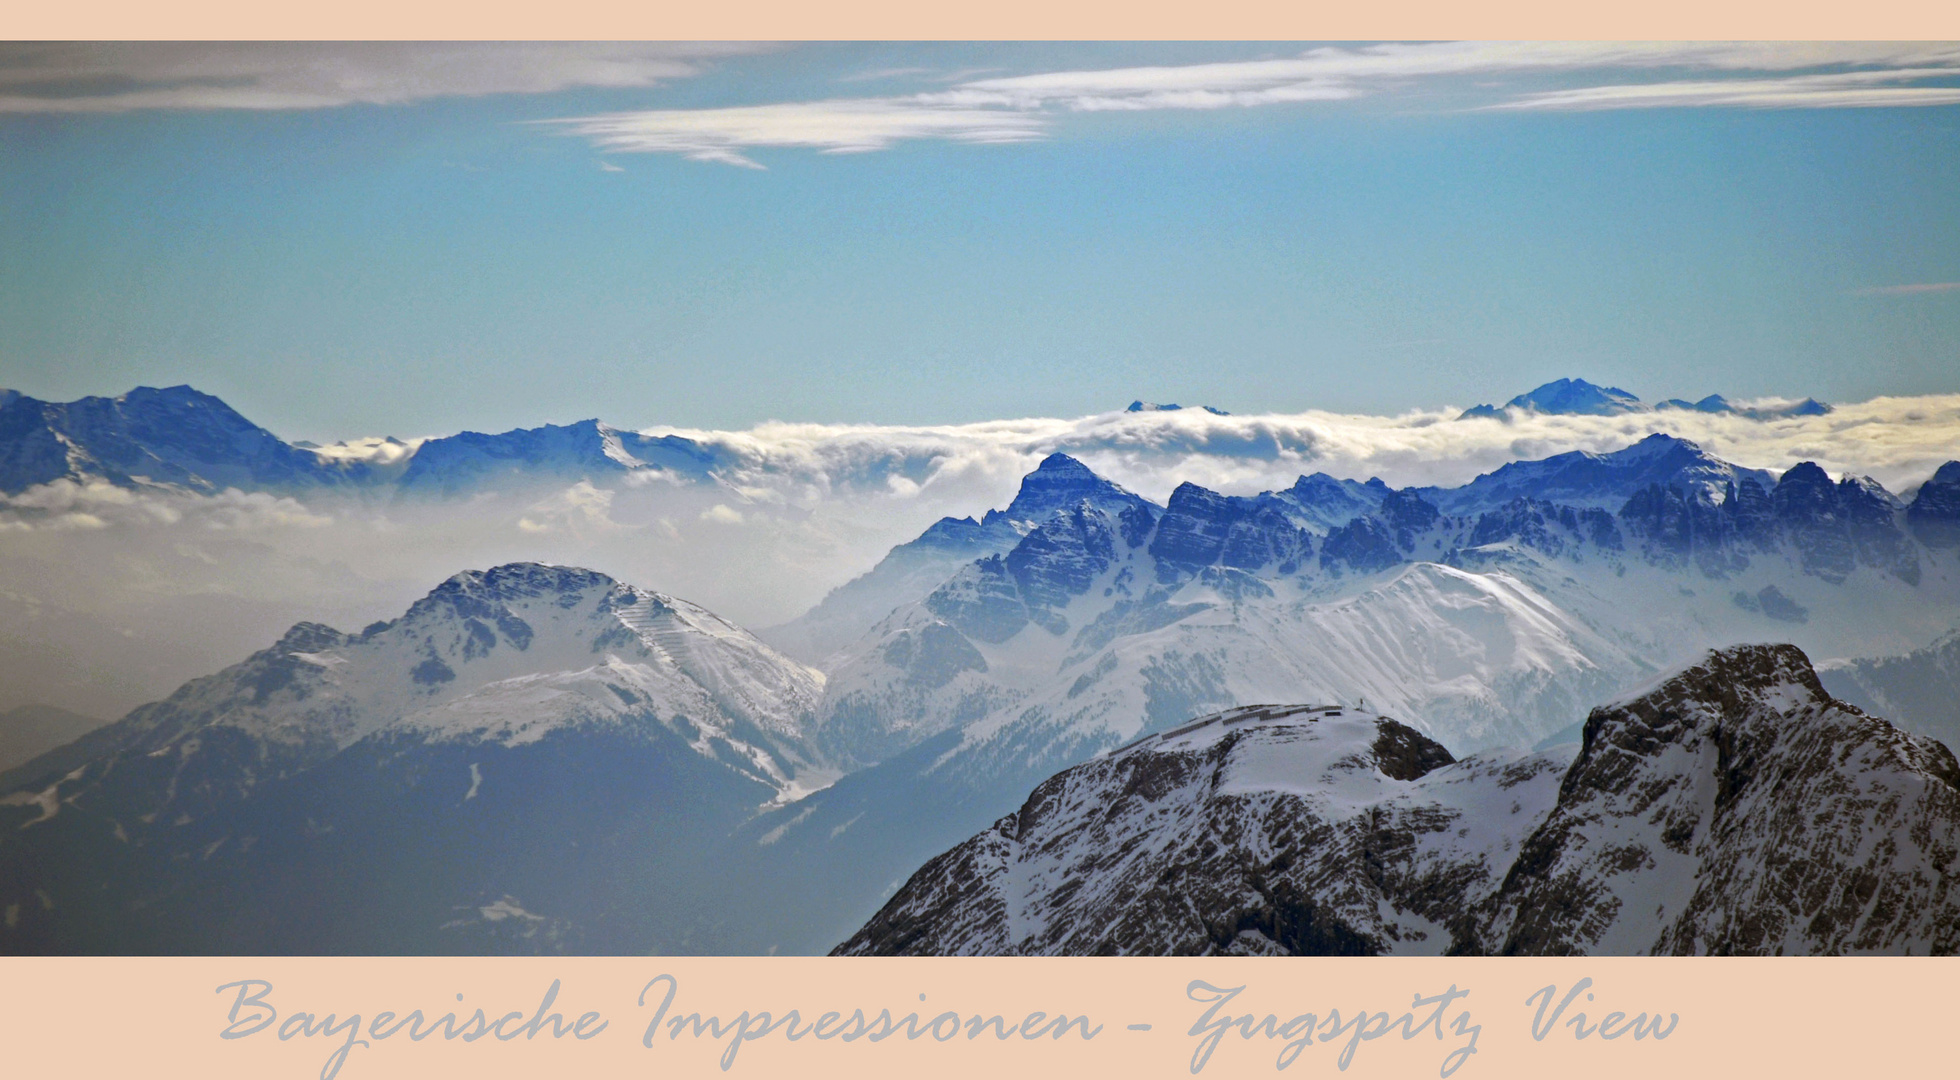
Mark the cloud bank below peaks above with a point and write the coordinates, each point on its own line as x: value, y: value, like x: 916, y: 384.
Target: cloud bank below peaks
x: 1896, y: 440
x: 785, y: 512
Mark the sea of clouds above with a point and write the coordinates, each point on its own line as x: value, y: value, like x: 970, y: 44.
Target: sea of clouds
x: 159, y: 585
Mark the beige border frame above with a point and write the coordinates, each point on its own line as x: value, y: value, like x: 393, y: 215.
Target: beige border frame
x: 1790, y: 1017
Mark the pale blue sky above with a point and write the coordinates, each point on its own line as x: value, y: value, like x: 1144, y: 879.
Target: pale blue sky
x: 371, y: 241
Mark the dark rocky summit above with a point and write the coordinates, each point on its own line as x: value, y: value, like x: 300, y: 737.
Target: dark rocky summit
x: 1258, y: 831
x: 1736, y: 808
x: 915, y: 568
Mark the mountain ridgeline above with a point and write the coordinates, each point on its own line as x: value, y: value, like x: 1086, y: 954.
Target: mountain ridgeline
x: 1735, y: 809
x: 538, y: 758
x: 530, y: 759
x: 182, y: 438
x: 1577, y: 397
x: 1495, y: 625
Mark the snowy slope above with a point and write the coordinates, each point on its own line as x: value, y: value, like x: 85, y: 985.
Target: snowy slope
x: 1267, y: 830
x: 1583, y: 479
x: 506, y: 655
x: 1732, y: 808
x: 913, y: 569
x: 1481, y: 631
x: 528, y: 738
x: 1738, y: 808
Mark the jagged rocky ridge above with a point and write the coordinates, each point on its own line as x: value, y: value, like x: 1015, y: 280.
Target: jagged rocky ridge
x: 1736, y: 808
x: 1521, y: 609
x: 532, y: 758
x: 1082, y: 616
x: 1481, y: 631
x: 915, y: 568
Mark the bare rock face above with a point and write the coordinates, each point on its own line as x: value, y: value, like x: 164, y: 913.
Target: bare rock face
x: 1739, y: 809
x: 1258, y: 831
x: 1736, y: 808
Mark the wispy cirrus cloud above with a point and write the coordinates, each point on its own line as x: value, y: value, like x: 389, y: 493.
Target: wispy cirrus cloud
x: 97, y: 77
x: 975, y: 105
x: 833, y: 127
x: 1910, y: 290
x: 1020, y: 108
x: 1839, y: 90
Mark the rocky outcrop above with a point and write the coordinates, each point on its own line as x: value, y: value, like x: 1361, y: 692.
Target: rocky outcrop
x: 1269, y: 830
x: 1558, y: 531
x: 1736, y: 808
x: 1830, y: 529
x: 1202, y: 528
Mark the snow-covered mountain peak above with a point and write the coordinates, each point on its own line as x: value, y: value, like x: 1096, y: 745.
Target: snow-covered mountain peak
x: 465, y: 462
x: 506, y: 655
x: 174, y: 436
x: 543, y: 731
x: 471, y: 592
x: 1732, y: 678
x: 1731, y: 808
x: 1326, y: 503
x: 1736, y: 807
x: 1583, y: 479
x: 1565, y: 397
x: 1266, y: 830
x: 1060, y: 483
x: 1314, y: 751
x: 1576, y: 396
x: 1141, y: 406
x: 1058, y: 486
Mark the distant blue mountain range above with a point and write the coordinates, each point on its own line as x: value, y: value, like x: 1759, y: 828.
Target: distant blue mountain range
x: 182, y: 437
x: 1577, y: 397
